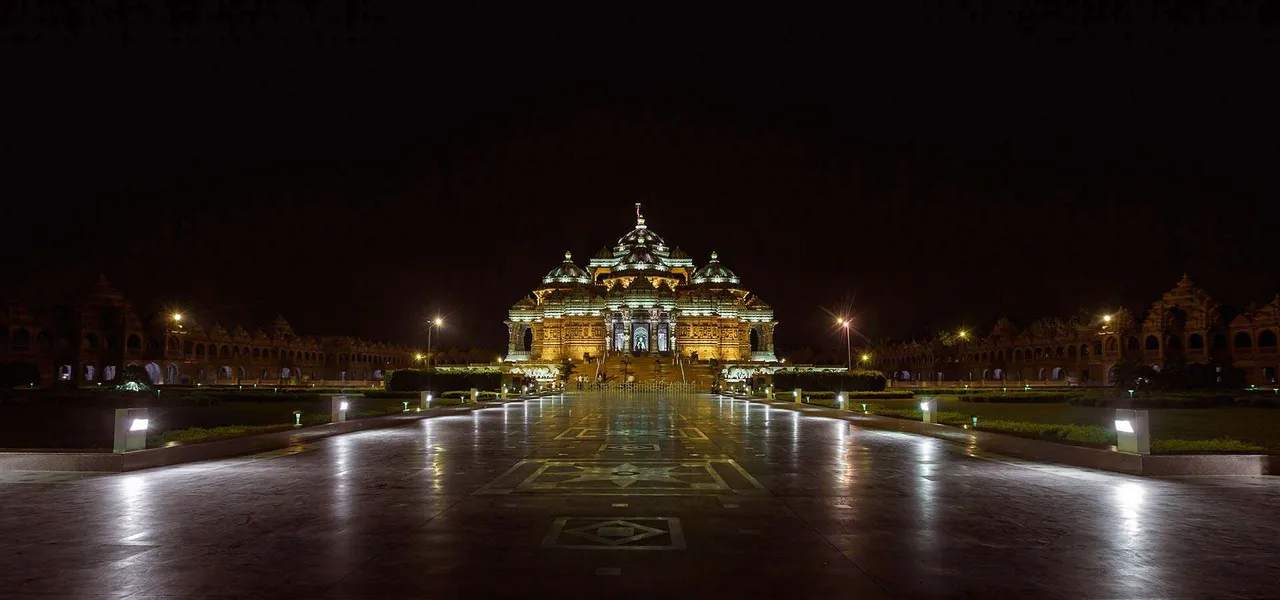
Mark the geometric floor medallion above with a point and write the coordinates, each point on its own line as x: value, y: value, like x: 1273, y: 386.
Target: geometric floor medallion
x: 613, y: 533
x: 625, y: 477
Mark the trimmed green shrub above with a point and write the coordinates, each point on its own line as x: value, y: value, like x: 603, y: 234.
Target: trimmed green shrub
x: 416, y: 380
x: 1027, y: 397
x: 1219, y: 445
x: 856, y: 381
x: 885, y: 395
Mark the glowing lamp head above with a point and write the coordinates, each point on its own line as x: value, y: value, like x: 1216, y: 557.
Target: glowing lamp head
x: 343, y: 406
x: 177, y: 316
x: 138, y: 425
x: 417, y: 357
x: 866, y: 357
x: 963, y: 334
x: 924, y: 406
x: 1106, y: 318
x: 438, y: 322
x: 1124, y: 426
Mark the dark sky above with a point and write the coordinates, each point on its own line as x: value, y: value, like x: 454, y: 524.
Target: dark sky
x: 348, y: 164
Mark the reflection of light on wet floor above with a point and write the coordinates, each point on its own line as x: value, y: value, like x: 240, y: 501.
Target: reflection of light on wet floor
x: 1130, y: 497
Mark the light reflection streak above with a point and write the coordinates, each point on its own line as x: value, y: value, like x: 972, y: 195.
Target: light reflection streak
x: 1130, y: 496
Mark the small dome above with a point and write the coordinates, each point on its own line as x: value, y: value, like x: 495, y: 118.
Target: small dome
x: 678, y: 253
x: 567, y: 272
x: 714, y: 272
x: 604, y: 253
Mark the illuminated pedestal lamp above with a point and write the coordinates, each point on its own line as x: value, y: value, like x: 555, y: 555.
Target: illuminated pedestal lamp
x: 930, y: 410
x: 1133, y: 431
x: 839, y: 400
x: 338, y: 408
x: 131, y: 430
x: 797, y: 395
x: 297, y: 418
x: 475, y: 395
x: 406, y: 406
x: 864, y: 408
x: 504, y: 391
x: 424, y: 400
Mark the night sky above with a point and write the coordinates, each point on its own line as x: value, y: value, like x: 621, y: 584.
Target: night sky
x: 350, y: 165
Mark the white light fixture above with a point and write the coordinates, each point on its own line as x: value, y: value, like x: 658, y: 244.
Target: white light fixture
x: 342, y: 406
x: 138, y: 425
x: 1124, y: 426
x: 924, y: 406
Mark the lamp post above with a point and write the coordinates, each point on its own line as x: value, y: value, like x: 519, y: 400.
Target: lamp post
x: 436, y: 322
x: 848, y: 347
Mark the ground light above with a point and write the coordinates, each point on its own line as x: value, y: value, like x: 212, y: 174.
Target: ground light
x: 864, y: 408
x: 406, y: 406
x: 297, y: 418
x: 139, y: 425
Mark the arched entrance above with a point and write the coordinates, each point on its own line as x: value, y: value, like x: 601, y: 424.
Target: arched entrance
x: 640, y: 340
x: 527, y: 343
x: 153, y: 373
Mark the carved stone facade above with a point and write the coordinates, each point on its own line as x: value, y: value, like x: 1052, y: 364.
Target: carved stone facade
x: 1186, y: 325
x: 640, y: 297
x: 88, y: 341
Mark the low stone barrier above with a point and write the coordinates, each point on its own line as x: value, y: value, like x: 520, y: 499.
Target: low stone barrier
x: 105, y: 461
x: 1150, y: 465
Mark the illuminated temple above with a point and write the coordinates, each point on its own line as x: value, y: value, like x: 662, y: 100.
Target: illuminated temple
x: 641, y: 297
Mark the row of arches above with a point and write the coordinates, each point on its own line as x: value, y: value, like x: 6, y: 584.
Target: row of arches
x: 20, y: 339
x: 1242, y: 341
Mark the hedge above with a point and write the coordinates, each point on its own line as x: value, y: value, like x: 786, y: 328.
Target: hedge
x: 859, y: 381
x: 1021, y: 397
x: 416, y: 380
x: 1163, y: 401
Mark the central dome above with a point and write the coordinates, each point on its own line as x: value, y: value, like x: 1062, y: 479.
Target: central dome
x: 641, y: 258
x: 642, y: 235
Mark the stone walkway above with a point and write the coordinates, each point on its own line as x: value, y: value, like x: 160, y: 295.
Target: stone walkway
x: 587, y: 496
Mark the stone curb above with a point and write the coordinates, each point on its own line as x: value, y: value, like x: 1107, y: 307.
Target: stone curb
x: 1092, y: 458
x: 227, y: 448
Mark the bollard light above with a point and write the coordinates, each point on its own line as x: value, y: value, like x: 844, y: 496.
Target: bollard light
x: 840, y: 400
x: 928, y: 408
x: 864, y: 408
x: 297, y: 418
x: 339, y: 405
x: 1130, y: 393
x: 1133, y: 433
x: 974, y: 418
x: 406, y: 406
x: 130, y: 430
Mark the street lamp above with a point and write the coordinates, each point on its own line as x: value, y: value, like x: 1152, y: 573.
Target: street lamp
x: 848, y: 347
x: 436, y: 322
x: 964, y: 335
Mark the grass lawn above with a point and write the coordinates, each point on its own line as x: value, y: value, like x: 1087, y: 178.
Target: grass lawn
x: 1257, y: 425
